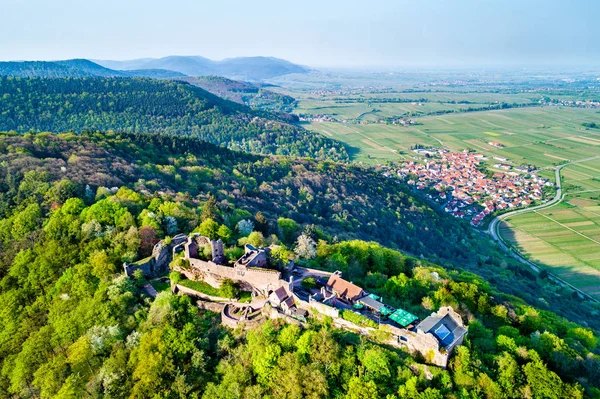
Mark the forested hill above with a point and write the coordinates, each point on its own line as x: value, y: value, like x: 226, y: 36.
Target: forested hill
x: 346, y: 201
x: 146, y: 105
x: 76, y: 68
x: 74, y: 207
x: 243, y: 92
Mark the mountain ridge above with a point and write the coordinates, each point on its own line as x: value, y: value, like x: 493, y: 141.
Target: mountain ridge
x: 75, y: 68
x: 239, y: 68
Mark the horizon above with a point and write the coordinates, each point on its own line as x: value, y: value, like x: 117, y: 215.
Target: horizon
x: 331, y: 35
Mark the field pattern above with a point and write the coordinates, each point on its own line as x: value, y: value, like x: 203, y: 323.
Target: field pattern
x: 565, y: 237
x: 541, y: 136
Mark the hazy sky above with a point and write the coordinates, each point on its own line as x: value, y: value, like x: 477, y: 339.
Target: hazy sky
x: 348, y: 33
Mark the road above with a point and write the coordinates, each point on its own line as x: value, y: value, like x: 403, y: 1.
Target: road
x: 494, y: 226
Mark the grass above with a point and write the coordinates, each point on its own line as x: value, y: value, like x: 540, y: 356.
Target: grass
x: 208, y: 289
x: 160, y: 286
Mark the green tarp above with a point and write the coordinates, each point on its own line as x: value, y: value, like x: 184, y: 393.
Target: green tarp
x: 403, y: 317
x: 386, y: 311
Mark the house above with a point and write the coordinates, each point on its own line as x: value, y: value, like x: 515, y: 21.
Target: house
x: 344, y: 289
x: 278, y: 296
x: 446, y: 326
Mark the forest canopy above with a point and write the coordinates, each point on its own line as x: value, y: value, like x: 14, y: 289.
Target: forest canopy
x: 159, y: 106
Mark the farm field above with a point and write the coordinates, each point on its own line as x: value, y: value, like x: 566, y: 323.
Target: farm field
x: 541, y: 136
x: 565, y: 237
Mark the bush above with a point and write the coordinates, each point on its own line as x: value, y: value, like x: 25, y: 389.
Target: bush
x: 175, y: 277
x: 357, y: 319
x: 229, y: 289
x: 308, y: 283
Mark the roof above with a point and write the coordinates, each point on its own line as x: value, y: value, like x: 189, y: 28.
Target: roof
x: 445, y: 329
x: 280, y: 294
x: 403, y: 317
x: 289, y: 302
x: 344, y: 288
x: 371, y: 303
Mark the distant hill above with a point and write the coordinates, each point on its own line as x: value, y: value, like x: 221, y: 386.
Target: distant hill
x: 241, y: 68
x: 252, y: 95
x: 76, y: 68
x: 150, y: 105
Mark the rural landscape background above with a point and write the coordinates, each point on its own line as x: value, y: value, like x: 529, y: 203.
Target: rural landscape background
x: 244, y: 200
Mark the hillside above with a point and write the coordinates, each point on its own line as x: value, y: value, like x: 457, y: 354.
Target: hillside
x: 144, y: 105
x: 76, y: 68
x: 72, y: 323
x: 345, y: 201
x: 241, y: 68
x: 243, y: 92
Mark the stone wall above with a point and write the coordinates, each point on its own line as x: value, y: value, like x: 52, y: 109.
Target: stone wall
x: 424, y: 343
x: 146, y: 267
x: 233, y: 322
x: 216, y: 307
x: 323, y: 308
x: 263, y: 280
x: 158, y: 263
x: 180, y: 289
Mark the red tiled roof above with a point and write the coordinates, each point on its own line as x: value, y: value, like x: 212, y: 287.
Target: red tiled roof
x: 344, y: 288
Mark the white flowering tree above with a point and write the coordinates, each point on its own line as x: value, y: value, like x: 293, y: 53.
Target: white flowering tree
x: 171, y: 225
x: 306, y: 247
x: 245, y: 227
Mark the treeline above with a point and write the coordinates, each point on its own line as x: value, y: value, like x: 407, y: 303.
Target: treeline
x: 344, y: 201
x: 74, y: 326
x: 146, y: 105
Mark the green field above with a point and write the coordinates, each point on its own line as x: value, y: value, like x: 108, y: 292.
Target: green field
x: 542, y: 136
x: 565, y: 237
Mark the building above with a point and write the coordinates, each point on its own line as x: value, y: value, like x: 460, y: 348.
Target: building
x: 343, y: 289
x: 251, y: 271
x: 446, y: 326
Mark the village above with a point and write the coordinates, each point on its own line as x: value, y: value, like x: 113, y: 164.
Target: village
x: 294, y: 294
x: 456, y: 181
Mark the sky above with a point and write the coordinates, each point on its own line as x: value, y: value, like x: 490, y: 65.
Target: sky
x: 323, y: 33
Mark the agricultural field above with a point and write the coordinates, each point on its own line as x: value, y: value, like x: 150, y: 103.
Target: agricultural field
x: 565, y: 237
x: 541, y: 136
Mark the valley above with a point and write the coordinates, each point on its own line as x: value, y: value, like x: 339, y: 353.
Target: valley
x: 385, y: 119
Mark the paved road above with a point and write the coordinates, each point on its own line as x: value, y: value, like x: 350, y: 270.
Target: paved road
x: 493, y: 228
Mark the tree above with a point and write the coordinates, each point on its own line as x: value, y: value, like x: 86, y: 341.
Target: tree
x: 209, y: 228
x: 148, y: 239
x: 288, y: 229
x: 209, y: 209
x: 102, y: 265
x: 358, y: 388
x: 308, y: 283
x: 229, y: 289
x: 305, y: 247
x: 26, y: 221
x: 261, y: 223
x: 224, y: 233
x: 256, y: 239
x: 377, y: 364
x: 245, y: 227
